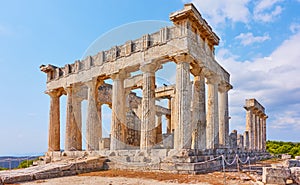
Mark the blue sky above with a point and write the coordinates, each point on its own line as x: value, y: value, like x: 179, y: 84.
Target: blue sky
x: 259, y: 47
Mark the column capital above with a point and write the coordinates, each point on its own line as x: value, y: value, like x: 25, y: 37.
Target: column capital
x: 94, y: 83
x: 213, y: 79
x: 122, y: 74
x: 183, y: 57
x: 150, y: 67
x: 55, y: 92
x: 224, y: 87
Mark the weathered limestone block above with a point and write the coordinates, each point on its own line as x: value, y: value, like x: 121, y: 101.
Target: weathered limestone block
x: 275, y: 175
x: 295, y: 173
x: 291, y: 163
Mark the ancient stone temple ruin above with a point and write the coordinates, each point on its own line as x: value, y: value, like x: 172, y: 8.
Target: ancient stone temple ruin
x: 197, y: 112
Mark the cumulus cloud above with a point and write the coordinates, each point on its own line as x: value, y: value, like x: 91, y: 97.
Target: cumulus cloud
x: 249, y: 38
x: 218, y: 11
x: 272, y: 79
x: 267, y: 10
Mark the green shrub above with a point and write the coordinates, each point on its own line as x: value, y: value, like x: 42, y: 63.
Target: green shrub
x: 26, y: 163
x: 281, y: 147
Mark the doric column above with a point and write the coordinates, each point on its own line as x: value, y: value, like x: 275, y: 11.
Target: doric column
x: 169, y: 128
x: 264, y: 133
x: 212, y: 116
x: 54, y: 121
x: 260, y: 134
x: 199, y: 112
x: 223, y: 114
x: 257, y: 131
x: 249, y: 127
x: 173, y: 114
x: 73, y: 141
x: 148, y: 131
x: 254, y: 130
x: 158, y: 127
x: 246, y: 140
x: 169, y: 117
x: 118, y: 120
x: 182, y: 135
x: 94, y: 121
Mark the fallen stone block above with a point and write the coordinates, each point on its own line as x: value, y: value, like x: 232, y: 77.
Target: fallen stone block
x: 295, y: 173
x: 275, y: 175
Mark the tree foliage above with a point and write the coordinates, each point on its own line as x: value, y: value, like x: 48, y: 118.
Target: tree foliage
x: 281, y: 147
x: 26, y: 163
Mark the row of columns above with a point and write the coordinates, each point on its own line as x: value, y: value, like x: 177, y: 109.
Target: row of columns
x: 256, y: 129
x: 209, y: 129
x: 188, y: 112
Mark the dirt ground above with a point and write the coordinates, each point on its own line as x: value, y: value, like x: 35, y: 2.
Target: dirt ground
x: 122, y: 177
x: 126, y: 177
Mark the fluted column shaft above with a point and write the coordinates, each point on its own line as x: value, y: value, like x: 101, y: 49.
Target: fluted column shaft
x: 257, y: 132
x: 199, y: 113
x: 118, y: 121
x: 148, y: 131
x: 254, y: 130
x: 94, y: 121
x: 223, y: 115
x: 182, y: 136
x: 158, y: 128
x: 54, y: 121
x: 264, y: 134
x: 212, y: 116
x: 73, y: 139
x: 249, y: 128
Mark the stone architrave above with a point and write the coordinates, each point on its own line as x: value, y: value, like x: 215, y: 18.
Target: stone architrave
x: 117, y: 140
x: 54, y: 120
x: 148, y: 129
x: 182, y: 135
x: 73, y: 141
x: 94, y: 121
x: 223, y: 114
x: 198, y: 112
x: 212, y: 116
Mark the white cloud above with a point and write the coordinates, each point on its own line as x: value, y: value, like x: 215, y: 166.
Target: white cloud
x: 249, y: 38
x: 273, y: 80
x: 267, y: 10
x: 218, y: 11
x: 295, y: 27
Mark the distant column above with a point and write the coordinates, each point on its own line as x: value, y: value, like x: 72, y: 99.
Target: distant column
x: 249, y: 127
x: 73, y: 141
x: 94, y: 122
x: 254, y: 130
x: 54, y: 121
x: 264, y: 132
x: 223, y: 114
x: 158, y: 127
x: 257, y: 131
x: 212, y: 116
x: 182, y: 136
x: 246, y: 140
x: 148, y: 131
x: 117, y: 140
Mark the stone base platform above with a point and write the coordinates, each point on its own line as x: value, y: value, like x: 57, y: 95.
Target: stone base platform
x: 190, y: 161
